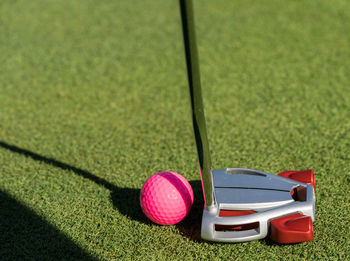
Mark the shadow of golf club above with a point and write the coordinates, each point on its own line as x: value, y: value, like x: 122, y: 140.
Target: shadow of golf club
x: 26, y: 236
x: 126, y: 200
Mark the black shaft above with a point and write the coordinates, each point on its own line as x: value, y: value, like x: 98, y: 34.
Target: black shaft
x: 194, y: 82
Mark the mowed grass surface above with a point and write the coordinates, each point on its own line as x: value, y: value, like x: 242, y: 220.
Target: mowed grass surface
x: 94, y: 100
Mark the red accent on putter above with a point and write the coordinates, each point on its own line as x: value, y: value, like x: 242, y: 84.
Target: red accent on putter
x: 293, y: 194
x: 294, y: 228
x: 235, y: 213
x: 304, y: 176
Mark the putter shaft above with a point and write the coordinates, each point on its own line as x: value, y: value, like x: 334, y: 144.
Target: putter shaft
x: 199, y: 125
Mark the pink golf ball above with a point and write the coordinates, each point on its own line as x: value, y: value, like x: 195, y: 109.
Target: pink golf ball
x: 166, y: 198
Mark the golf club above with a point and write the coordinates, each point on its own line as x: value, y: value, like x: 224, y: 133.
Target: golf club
x: 244, y: 204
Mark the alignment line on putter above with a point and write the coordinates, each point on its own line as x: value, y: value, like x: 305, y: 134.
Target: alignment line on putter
x: 251, y: 188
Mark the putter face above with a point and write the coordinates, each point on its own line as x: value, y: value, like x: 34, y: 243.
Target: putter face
x: 247, y: 200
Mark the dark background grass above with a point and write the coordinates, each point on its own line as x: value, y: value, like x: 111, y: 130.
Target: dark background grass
x: 94, y: 100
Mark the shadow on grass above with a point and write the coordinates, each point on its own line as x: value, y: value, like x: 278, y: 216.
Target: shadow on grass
x: 190, y: 227
x: 126, y: 200
x: 26, y: 236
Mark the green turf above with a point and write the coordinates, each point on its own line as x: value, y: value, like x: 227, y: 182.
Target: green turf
x: 94, y: 99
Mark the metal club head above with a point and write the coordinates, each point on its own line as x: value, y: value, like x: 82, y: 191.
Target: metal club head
x: 247, y: 200
x: 244, y: 204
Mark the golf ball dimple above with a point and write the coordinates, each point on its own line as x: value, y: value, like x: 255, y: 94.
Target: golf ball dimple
x: 166, y: 198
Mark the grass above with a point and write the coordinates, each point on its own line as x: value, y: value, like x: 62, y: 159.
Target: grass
x: 94, y: 100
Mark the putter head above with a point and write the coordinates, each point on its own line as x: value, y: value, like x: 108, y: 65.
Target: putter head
x: 251, y: 204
